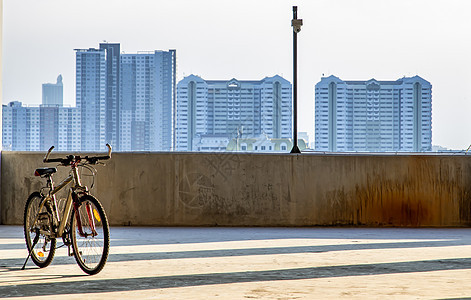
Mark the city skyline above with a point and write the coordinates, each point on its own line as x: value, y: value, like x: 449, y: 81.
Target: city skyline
x: 125, y: 100
x: 215, y: 39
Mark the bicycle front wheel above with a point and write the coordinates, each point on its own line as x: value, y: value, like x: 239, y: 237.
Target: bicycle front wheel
x: 38, y: 227
x: 90, y: 235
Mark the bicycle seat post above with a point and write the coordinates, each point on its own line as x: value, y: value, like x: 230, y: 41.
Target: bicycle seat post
x: 49, y: 181
x: 56, y: 218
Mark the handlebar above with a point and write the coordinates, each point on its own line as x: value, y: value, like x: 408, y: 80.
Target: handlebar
x: 67, y: 161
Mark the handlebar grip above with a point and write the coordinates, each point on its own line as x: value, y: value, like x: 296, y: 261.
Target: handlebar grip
x: 106, y: 156
x: 94, y: 159
x: 54, y: 160
x: 100, y: 157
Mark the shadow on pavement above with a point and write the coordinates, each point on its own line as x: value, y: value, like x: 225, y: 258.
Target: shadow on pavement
x: 13, y: 264
x: 160, y: 282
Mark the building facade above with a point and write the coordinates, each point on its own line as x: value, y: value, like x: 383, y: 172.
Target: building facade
x: 147, y: 101
x: 112, y: 86
x: 126, y: 100
x: 231, y: 108
x: 90, y: 83
x: 263, y: 144
x: 373, y: 115
x: 33, y: 128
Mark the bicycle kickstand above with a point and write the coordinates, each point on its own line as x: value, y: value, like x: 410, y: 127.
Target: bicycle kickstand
x: 35, y: 241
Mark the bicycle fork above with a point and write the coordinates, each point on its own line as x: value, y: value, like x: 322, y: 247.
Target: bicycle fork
x: 91, y: 220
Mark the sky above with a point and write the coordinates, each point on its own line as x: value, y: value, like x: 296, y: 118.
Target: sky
x: 252, y: 39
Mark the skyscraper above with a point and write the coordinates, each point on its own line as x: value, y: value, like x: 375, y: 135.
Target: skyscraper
x: 53, y: 93
x: 232, y: 108
x: 112, y: 62
x: 147, y: 100
x: 126, y: 100
x: 91, y: 90
x: 373, y: 115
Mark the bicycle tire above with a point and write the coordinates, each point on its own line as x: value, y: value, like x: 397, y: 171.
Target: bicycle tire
x: 45, y: 248
x: 90, y: 252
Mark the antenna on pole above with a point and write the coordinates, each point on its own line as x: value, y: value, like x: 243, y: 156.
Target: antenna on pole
x: 296, y: 24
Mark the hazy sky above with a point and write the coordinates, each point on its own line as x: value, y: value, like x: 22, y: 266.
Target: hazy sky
x: 251, y: 39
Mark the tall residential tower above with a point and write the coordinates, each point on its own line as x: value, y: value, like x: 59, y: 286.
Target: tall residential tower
x: 232, y: 108
x: 112, y: 63
x: 91, y: 83
x: 126, y: 100
x: 373, y: 115
x: 147, y: 101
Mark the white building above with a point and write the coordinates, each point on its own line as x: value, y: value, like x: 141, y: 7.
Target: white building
x: 210, y: 143
x: 373, y: 115
x: 232, y: 108
x: 264, y: 144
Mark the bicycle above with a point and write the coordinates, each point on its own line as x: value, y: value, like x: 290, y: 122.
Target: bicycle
x: 82, y: 224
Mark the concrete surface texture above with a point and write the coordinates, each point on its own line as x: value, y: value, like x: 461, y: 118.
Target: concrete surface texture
x: 252, y: 263
x: 237, y: 189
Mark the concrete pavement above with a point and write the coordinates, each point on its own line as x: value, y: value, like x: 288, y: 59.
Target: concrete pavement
x: 252, y: 263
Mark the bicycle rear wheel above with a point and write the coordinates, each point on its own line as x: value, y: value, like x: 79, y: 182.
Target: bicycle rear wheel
x: 90, y: 235
x: 38, y: 225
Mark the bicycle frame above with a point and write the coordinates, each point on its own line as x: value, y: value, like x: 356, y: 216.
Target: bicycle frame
x: 72, y: 198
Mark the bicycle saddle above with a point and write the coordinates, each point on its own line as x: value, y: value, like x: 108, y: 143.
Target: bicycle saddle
x: 44, y: 171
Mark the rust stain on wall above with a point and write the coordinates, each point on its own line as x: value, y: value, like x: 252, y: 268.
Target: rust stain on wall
x: 409, y: 191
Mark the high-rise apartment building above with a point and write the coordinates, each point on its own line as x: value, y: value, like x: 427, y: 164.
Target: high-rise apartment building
x: 33, y: 128
x: 126, y: 100
x: 53, y: 93
x: 147, y: 100
x: 112, y: 63
x: 91, y: 97
x: 14, y: 128
x: 231, y: 108
x: 373, y: 115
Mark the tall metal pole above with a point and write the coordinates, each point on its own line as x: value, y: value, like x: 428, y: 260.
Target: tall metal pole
x: 296, y: 24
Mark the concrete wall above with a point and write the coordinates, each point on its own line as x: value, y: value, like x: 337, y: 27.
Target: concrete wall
x: 172, y: 189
